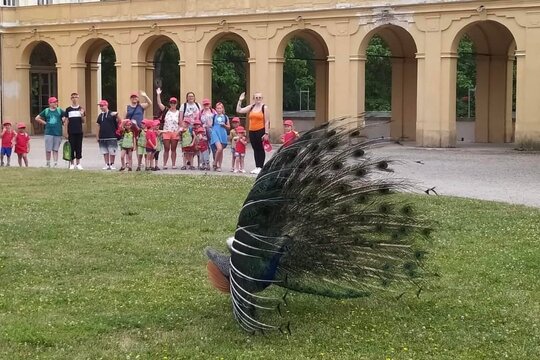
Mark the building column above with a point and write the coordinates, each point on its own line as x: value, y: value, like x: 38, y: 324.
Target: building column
x: 203, y: 85
x: 409, y: 95
x: 528, y: 92
x: 483, y: 78
x: 17, y: 103
x: 275, y: 78
x: 509, y: 114
x: 149, y: 88
x: 420, y: 94
x: 498, y: 92
x: 322, y: 111
x: 357, y: 88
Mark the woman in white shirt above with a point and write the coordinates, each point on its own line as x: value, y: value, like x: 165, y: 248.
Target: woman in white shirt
x: 171, y: 128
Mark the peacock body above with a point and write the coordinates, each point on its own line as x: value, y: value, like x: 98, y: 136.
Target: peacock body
x: 322, y: 218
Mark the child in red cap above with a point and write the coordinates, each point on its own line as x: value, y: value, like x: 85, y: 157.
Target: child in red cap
x: 233, y: 136
x: 188, y: 145
x: 240, y: 150
x: 22, y: 144
x: 203, y: 148
x: 127, y: 145
x: 151, y: 144
x: 289, y: 135
x: 8, y: 135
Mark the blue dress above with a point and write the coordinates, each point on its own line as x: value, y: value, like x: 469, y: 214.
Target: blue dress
x: 219, y: 132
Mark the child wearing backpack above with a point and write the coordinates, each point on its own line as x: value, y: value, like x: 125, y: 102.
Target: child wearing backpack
x: 233, y: 137
x: 188, y: 145
x: 22, y: 144
x: 240, y: 150
x: 127, y: 144
x: 8, y: 136
x: 203, y: 149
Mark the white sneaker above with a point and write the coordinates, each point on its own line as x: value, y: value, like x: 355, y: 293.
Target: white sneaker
x: 79, y: 167
x: 71, y: 167
x: 235, y: 171
x: 106, y: 167
x: 112, y: 167
x: 256, y: 171
x: 243, y: 171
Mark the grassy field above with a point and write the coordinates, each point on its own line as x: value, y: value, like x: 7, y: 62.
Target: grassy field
x: 100, y: 265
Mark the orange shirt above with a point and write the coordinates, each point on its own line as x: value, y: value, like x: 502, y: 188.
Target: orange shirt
x: 256, y: 120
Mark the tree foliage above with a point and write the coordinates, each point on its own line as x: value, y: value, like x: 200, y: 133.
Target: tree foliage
x: 167, y: 75
x: 378, y: 76
x: 466, y: 78
x: 108, y: 77
x: 299, y: 75
x: 229, y: 74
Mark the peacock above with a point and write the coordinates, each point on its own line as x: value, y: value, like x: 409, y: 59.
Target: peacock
x: 324, y: 217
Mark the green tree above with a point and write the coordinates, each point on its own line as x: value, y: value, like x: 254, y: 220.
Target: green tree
x: 466, y: 78
x: 108, y: 77
x: 378, y: 76
x: 167, y: 75
x: 298, y: 75
x: 228, y: 74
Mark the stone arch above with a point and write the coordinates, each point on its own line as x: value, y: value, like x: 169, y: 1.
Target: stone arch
x: 319, y: 44
x: 404, y: 65
x: 88, y: 71
x: 38, y: 64
x: 495, y: 45
x: 147, y: 70
x: 208, y: 49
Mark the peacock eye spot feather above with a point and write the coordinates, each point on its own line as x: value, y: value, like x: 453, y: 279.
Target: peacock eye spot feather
x: 407, y: 210
x: 330, y: 133
x: 386, y: 267
x: 385, y: 190
x: 359, y: 153
x: 383, y: 165
x: 385, y: 208
x: 403, y: 230
x: 337, y: 165
x: 426, y: 231
x: 355, y: 133
x: 396, y: 236
x: 332, y: 145
x: 316, y: 162
x: 360, y: 172
x: 379, y: 228
x: 362, y: 199
x: 419, y: 254
x: 385, y: 282
x: 342, y: 188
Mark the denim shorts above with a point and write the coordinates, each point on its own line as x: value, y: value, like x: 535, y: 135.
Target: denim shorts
x: 6, y: 151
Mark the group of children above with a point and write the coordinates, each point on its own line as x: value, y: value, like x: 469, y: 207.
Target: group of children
x: 19, y: 139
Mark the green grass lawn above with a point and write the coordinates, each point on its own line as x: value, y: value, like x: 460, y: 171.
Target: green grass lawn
x: 99, y: 265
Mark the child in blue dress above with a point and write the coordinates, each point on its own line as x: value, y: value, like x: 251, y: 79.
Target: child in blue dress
x: 220, y: 125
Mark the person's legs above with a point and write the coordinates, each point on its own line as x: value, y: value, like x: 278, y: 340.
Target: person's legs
x: 112, y: 146
x: 71, y: 140
x: 174, y: 145
x: 48, y: 148
x: 56, y: 145
x: 166, y: 151
x: 123, y: 154
x: 219, y: 155
x: 129, y: 158
x: 19, y: 159
x: 25, y: 158
x: 241, y: 163
x: 255, y: 138
x: 78, y: 148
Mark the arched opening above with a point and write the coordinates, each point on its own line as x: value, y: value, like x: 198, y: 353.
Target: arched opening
x: 43, y: 80
x: 390, y: 82
x: 98, y: 60
x: 305, y: 79
x: 160, y: 67
x: 485, y: 83
x: 230, y: 72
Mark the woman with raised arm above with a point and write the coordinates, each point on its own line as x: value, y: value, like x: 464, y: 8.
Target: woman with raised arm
x: 171, y: 128
x: 259, y: 126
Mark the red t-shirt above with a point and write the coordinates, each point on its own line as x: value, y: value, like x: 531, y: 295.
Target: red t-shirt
x: 21, y: 143
x: 288, y: 138
x: 7, y: 138
x: 151, y: 137
x: 240, y: 147
x: 203, y: 143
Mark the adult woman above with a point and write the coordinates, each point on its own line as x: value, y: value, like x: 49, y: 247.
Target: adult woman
x: 171, y: 128
x: 190, y: 109
x: 135, y: 113
x: 259, y: 126
x: 207, y: 116
x: 220, y: 125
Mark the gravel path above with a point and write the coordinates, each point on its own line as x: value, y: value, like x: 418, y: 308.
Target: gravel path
x: 489, y: 172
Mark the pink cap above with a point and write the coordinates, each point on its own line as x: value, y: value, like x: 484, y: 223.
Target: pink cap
x: 156, y: 123
x: 7, y: 123
x: 21, y: 125
x: 288, y: 122
x: 197, y: 122
x: 103, y: 103
x: 134, y: 94
x: 235, y: 119
x: 52, y: 99
x: 240, y: 129
x: 206, y: 102
x: 267, y: 146
x: 200, y: 130
x: 173, y: 100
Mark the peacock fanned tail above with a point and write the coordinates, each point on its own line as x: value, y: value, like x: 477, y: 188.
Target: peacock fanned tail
x: 324, y: 217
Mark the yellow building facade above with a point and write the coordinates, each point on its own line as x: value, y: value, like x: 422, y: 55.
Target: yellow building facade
x: 422, y: 35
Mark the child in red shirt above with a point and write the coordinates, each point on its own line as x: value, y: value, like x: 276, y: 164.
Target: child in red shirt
x: 8, y: 136
x: 22, y: 144
x: 203, y: 148
x: 289, y: 135
x: 151, y: 143
x: 240, y: 150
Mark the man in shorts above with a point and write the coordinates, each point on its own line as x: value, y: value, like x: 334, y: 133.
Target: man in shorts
x: 106, y: 136
x: 51, y: 118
